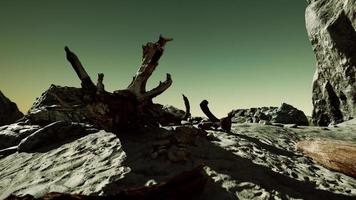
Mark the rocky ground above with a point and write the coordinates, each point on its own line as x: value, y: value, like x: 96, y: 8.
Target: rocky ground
x: 253, y: 161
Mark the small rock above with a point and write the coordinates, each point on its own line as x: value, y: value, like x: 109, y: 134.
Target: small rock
x: 183, y: 122
x: 206, y: 125
x: 264, y: 122
x: 278, y: 125
x: 290, y: 126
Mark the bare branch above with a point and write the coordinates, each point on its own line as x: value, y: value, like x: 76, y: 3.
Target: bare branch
x: 152, y: 52
x: 163, y: 86
x: 204, y: 107
x: 86, y: 82
x: 187, y: 108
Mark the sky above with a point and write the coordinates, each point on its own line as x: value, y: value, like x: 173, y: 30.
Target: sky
x: 234, y: 53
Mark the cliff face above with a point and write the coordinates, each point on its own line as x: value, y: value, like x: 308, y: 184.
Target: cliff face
x: 9, y: 112
x: 331, y: 30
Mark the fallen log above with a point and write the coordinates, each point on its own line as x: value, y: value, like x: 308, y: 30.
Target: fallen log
x: 186, y: 185
x: 333, y: 154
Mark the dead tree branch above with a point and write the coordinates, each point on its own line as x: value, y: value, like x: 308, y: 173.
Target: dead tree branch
x: 86, y: 82
x: 187, y: 108
x: 224, y: 123
x: 152, y: 52
x: 204, y: 107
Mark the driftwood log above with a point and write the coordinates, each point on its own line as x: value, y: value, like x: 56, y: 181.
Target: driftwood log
x: 130, y: 108
x: 333, y: 154
x: 186, y: 185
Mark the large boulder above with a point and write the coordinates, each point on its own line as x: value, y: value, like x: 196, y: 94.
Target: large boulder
x: 287, y: 114
x: 9, y: 113
x: 331, y: 30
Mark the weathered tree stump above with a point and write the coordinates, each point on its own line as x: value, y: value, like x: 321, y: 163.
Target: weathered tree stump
x: 128, y: 108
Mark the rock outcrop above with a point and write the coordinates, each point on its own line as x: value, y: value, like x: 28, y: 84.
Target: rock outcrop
x: 59, y: 104
x: 9, y: 113
x: 331, y: 30
x: 285, y: 114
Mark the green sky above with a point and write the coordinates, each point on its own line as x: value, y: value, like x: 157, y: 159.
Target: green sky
x: 234, y: 53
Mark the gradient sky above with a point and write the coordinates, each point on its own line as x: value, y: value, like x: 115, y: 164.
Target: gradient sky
x: 234, y: 53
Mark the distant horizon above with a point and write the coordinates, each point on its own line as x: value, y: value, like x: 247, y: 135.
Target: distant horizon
x: 235, y: 54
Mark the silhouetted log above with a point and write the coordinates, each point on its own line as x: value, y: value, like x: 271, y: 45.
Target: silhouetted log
x: 224, y: 123
x: 204, y: 107
x: 186, y: 185
x: 187, y: 108
x: 333, y: 154
x: 86, y: 83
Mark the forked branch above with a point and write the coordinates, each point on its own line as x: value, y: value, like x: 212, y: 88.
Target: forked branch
x: 152, y: 52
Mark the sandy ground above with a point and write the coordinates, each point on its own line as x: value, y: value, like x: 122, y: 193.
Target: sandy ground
x: 254, y: 161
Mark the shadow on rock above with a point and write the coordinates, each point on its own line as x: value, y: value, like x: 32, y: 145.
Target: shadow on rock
x: 146, y: 170
x: 53, y: 136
